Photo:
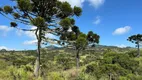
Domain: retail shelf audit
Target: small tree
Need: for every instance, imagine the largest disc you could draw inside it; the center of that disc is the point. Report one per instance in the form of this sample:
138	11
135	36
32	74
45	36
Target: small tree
92	38
45	15
136	39
80	44
80	41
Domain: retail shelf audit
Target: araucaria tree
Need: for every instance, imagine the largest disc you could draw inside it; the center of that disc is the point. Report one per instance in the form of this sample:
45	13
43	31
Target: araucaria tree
136	39
45	15
82	41
79	41
92	38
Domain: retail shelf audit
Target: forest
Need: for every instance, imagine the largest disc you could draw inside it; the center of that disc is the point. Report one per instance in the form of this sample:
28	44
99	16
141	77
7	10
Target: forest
75	56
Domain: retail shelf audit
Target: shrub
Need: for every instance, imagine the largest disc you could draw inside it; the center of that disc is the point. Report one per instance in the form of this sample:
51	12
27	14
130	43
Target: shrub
55	76
65	61
132	53
3	64
94	70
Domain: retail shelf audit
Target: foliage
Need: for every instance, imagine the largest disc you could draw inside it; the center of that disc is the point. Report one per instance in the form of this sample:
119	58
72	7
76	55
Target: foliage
65	61
7	9
135	38
55	76
81	42
94	70
132	53
93	38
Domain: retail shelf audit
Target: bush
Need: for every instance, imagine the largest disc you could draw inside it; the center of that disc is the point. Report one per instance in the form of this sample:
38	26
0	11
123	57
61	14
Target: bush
94	70
81	77
65	61
55	76
132	53
134	77
19	73
5	75
123	60
3	64
123	78
90	68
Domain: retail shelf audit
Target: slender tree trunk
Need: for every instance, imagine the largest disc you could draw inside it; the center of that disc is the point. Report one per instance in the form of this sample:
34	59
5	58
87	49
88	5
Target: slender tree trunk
138	49
110	78
37	63
77	59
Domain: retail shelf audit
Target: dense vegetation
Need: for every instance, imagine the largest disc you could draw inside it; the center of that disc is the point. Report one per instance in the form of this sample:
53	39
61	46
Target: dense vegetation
60	64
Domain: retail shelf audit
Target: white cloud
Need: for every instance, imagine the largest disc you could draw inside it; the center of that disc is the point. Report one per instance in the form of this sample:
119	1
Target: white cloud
30	34
97	20
51	36
96	3
121	46
5	29
73	3
30	42
70	30
3	47
122	30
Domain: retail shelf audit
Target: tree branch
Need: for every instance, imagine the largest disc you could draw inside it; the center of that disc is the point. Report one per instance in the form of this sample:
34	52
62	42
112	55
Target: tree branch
13	19
26	29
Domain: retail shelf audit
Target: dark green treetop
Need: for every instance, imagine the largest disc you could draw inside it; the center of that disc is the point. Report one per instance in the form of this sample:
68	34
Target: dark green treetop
93	38
135	38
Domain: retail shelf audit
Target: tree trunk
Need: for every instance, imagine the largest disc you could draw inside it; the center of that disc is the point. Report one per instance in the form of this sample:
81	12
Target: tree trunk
37	67
77	59
138	49
37	63
110	78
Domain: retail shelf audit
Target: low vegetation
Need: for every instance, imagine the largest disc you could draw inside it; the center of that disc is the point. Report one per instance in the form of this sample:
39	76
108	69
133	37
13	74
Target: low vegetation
60	64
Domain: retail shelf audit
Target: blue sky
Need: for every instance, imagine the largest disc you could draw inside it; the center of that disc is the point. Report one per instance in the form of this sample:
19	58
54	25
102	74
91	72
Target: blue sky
113	20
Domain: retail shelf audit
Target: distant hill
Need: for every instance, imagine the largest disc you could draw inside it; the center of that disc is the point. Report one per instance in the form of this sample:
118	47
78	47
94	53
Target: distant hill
97	46
105	46
53	47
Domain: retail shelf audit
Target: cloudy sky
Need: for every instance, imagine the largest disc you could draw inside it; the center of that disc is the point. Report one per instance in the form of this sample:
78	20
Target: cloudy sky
113	20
